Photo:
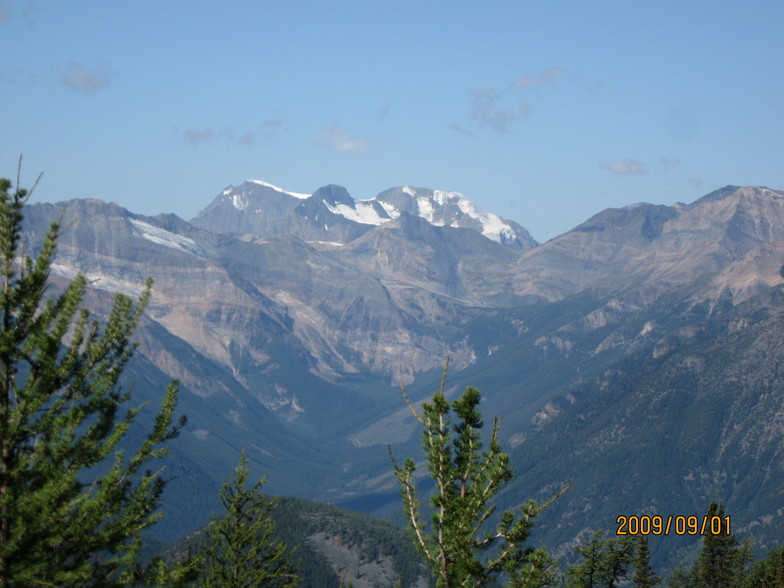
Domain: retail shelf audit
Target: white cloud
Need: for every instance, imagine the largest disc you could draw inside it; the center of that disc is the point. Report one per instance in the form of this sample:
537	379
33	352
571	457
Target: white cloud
696	181
486	110
668	163
21	12
545	78
498	109
458	128
271	127
87	80
198	136
624	167
267	130
245	138
340	139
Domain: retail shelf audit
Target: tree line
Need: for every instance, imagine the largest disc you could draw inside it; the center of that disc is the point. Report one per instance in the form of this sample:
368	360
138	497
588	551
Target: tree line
74	506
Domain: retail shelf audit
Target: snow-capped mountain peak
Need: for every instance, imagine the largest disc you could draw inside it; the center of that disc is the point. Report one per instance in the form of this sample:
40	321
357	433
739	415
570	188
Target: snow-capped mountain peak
259	208
444	208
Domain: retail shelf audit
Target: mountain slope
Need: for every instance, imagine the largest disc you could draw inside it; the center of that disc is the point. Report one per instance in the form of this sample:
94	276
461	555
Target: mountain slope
695	416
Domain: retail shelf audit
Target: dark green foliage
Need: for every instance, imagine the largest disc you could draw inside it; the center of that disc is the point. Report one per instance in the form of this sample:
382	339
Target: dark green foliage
299	521
605	562
458	548
683	578
72	506
370	538
767	573
721	562
240	549
643	577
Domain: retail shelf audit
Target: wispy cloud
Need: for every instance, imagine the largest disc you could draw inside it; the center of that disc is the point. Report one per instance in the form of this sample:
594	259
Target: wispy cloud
247	139
696	182
267	130
197	137
668	163
487	109
87	80
624	167
340	139
496	110
545	78
458	128
19	12
273	126
244	138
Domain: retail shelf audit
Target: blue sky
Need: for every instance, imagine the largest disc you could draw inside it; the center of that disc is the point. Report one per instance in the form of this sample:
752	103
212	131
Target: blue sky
543	112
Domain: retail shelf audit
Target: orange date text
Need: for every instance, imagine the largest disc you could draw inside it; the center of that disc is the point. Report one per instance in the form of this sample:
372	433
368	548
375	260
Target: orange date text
672	524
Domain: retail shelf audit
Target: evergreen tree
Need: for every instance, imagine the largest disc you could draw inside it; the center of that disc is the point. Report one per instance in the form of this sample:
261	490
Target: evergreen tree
466	479
587	573
721	562
605	562
643	577
767	573
779	568
72	506
240	550
683	577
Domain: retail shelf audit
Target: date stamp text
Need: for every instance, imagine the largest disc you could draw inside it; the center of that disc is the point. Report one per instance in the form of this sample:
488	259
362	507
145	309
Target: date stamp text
675	524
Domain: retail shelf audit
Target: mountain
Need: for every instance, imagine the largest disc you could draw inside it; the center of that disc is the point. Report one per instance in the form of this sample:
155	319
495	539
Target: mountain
330	215
634	356
657	246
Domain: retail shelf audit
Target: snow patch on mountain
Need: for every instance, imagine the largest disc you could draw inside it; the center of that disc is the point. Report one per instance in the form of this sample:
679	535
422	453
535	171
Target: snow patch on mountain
332	244
438	207
426	210
281	190
363	212
99	281
238	201
389	209
493	226
166	238
432	207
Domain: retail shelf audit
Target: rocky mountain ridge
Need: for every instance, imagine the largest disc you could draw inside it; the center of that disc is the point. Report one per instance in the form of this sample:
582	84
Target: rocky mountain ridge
374	304
330	216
